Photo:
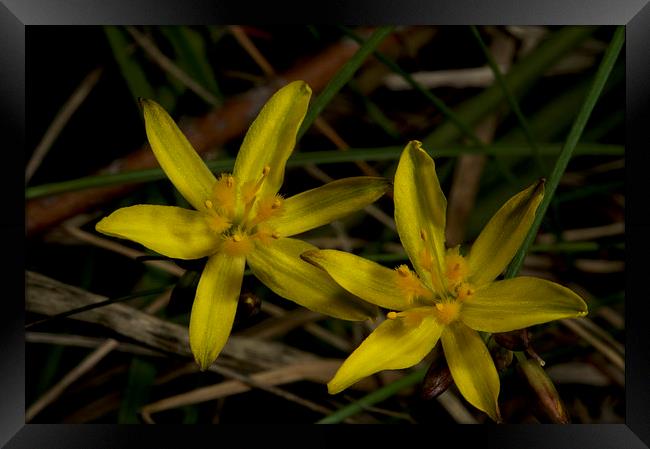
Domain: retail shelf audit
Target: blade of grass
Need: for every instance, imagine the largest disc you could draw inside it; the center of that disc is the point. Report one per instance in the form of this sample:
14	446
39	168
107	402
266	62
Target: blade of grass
344	74
140	379
520	77
130	69
67	313
435	100
514	104
605	68
191	56
316	157
375	397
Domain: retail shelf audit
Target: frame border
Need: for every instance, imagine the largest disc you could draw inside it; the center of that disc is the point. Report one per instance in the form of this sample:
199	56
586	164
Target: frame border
16	14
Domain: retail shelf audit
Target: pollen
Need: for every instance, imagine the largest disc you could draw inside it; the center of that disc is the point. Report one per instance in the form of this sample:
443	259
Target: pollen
411	285
237	244
455	266
463	291
446	312
268	207
265	235
224	195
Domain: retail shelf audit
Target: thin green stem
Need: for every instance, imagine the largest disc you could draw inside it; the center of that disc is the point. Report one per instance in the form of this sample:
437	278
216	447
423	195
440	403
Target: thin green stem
344	75
375	397
578	127
437	102
313	157
512	100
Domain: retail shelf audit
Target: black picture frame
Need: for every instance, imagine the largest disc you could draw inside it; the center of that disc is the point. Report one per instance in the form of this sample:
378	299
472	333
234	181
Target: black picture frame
15	15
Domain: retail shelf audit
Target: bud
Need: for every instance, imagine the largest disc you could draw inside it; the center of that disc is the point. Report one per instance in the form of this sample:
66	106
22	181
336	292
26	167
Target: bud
437	379
549	399
516	340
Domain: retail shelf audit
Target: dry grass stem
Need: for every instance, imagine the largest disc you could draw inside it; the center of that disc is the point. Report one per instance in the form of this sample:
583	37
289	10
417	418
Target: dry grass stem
60	120
168	66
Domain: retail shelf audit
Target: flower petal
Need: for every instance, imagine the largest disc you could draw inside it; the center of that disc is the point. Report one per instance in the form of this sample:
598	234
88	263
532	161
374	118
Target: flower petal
395	344
363	278
472	368
520	302
215	304
272	136
502	236
279	266
420	208
182	165
322	205
168	230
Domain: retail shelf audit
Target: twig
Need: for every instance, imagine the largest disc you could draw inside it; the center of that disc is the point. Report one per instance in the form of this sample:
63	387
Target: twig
318	370
613	356
82	368
86	364
47	296
61	119
107	244
83	341
168	66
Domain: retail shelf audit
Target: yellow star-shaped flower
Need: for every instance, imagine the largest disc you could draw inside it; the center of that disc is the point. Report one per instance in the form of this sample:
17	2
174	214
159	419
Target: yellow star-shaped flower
239	218
449	297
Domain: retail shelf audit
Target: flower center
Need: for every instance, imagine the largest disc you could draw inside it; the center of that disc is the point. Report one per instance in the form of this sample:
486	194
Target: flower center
238	213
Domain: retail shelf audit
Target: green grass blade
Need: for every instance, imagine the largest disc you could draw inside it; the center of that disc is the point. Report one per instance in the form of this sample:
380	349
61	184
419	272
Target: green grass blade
131	71
315	157
605	68
344	75
520	77
514	104
435	100
375	397
136	394
191	56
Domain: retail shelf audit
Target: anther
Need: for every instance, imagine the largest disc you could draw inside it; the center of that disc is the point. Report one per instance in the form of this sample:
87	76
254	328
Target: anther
439	306
266	170
423	235
208	204
276	203
275	235
403	270
391	315
237	238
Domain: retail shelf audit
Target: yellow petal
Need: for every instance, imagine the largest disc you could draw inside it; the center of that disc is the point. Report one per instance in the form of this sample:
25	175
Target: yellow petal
272	136
472	368
322	205
182	165
366	279
516	303
215	304
420	208
168	230
503	235
397	343
279	266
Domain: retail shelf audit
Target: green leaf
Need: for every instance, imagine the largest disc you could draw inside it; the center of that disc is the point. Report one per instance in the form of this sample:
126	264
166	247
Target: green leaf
136	393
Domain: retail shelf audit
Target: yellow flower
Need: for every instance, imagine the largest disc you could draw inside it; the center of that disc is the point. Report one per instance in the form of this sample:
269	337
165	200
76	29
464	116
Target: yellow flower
449	296
240	218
